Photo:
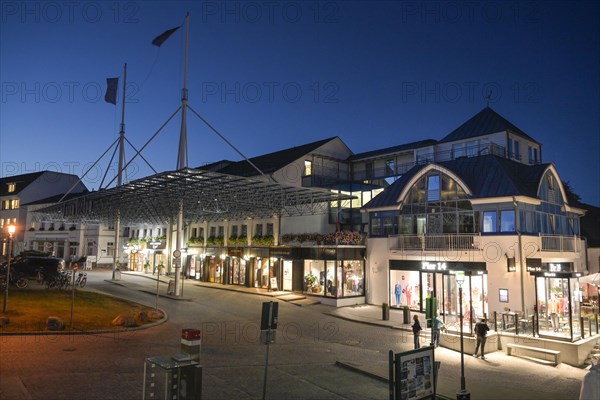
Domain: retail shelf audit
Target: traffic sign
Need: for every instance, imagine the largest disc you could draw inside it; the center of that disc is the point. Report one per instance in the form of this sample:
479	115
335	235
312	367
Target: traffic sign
177	253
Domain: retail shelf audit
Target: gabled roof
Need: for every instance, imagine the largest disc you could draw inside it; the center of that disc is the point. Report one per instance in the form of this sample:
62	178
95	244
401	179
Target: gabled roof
271	162
394	149
483	123
486	176
56	199
21	181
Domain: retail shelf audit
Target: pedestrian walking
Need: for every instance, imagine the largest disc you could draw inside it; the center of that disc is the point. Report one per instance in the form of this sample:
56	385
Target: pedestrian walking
416	328
481	330
437	326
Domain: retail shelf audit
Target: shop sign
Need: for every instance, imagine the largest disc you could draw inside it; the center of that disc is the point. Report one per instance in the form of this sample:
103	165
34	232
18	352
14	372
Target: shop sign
557	267
234	252
431	266
534	264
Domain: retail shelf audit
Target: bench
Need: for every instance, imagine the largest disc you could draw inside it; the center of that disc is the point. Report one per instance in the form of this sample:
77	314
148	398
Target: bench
554	353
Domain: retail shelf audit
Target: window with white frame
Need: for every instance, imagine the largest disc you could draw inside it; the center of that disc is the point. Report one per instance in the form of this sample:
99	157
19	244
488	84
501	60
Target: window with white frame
110	249
307	168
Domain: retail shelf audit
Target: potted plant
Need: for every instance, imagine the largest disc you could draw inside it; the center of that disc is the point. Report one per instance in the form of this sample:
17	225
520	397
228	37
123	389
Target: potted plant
310	281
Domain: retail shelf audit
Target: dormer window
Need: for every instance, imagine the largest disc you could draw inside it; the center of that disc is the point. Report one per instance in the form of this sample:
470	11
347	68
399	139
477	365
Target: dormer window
307	168
12	187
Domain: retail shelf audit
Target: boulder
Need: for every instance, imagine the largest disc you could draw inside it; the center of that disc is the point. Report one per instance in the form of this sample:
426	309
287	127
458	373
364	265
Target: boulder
141	317
155	315
55	324
124	320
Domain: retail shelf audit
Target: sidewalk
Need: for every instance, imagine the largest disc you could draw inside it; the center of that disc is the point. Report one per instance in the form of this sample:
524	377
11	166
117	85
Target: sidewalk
496	377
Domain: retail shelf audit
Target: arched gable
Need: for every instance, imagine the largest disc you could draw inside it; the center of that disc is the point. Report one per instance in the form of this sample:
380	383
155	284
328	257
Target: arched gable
424	171
543	184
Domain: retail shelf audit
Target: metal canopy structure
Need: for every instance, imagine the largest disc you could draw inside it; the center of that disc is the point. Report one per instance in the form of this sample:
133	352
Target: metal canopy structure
202	195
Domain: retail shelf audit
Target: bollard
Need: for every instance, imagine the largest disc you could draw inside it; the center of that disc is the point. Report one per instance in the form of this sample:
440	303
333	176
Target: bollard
191	340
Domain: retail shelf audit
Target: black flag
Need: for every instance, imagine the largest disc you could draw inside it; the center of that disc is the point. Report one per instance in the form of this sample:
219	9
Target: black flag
111	90
160	39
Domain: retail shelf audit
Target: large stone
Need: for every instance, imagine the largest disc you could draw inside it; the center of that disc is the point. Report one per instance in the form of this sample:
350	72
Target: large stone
55	324
155	315
124	320
141	317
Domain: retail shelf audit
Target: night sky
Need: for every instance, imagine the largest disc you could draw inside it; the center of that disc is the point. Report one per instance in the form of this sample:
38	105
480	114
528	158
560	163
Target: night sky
272	75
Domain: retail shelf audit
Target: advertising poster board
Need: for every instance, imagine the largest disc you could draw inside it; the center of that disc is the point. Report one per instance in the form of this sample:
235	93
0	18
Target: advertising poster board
414	372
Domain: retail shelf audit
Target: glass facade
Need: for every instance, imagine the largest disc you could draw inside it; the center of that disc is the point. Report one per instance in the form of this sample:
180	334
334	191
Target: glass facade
559	306
430	286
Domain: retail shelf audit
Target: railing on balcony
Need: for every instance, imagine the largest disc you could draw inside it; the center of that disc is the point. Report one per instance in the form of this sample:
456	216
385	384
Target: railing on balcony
446	155
434	242
559	243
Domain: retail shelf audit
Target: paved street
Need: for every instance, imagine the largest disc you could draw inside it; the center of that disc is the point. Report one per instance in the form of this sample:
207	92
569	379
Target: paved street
302	364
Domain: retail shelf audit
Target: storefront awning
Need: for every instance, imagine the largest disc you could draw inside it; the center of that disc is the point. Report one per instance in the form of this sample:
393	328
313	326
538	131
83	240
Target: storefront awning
202	196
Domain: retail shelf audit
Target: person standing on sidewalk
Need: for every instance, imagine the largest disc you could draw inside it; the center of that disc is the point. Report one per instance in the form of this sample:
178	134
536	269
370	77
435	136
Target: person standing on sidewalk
438	325
590	387
416	328
481	330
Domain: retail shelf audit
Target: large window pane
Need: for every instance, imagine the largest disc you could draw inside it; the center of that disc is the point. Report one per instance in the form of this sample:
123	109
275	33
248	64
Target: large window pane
507	221
489	221
433	188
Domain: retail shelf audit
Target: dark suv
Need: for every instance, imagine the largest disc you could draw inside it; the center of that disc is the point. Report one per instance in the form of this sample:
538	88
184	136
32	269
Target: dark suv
36	267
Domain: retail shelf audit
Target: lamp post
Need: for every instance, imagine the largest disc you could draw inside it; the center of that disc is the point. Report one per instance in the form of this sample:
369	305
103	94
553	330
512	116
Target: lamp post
463	394
154	246
11	231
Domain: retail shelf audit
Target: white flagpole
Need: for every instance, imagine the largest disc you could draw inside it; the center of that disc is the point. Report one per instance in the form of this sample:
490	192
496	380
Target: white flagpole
182	157
182	161
120	173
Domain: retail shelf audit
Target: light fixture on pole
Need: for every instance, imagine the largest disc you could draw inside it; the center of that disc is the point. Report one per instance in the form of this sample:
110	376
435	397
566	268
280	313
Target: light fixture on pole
11	231
463	394
154	246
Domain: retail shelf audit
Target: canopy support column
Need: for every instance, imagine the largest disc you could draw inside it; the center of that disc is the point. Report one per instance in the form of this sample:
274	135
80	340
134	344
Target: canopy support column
177	253
116	247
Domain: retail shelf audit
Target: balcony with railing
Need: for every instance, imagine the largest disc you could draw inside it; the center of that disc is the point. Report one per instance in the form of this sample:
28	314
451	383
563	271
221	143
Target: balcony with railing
388	171
434	242
560	243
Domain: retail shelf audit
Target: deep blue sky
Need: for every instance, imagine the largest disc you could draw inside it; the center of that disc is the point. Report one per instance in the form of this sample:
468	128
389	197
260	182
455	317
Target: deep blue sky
274	75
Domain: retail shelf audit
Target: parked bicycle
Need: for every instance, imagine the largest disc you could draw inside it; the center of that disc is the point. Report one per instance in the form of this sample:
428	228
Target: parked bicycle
81	279
64	279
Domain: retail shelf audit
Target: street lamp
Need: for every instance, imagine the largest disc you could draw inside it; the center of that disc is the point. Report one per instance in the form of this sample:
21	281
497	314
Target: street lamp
154	246
463	394
11	231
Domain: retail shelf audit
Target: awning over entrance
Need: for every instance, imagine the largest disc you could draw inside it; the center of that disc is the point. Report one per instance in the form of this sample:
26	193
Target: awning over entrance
202	195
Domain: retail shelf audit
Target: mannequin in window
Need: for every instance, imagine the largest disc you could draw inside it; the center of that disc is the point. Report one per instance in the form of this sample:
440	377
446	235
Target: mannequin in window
553	309
398	292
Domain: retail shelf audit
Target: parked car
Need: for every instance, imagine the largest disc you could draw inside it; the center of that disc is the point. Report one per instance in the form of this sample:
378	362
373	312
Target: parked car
35	266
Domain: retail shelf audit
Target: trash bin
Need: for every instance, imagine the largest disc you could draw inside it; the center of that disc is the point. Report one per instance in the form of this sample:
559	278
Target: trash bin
406	315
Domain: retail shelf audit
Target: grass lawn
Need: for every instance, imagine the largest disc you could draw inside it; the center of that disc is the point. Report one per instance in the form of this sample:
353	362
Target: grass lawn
28	310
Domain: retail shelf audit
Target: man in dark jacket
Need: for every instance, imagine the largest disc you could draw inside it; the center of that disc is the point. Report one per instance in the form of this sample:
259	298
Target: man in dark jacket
416	328
481	330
